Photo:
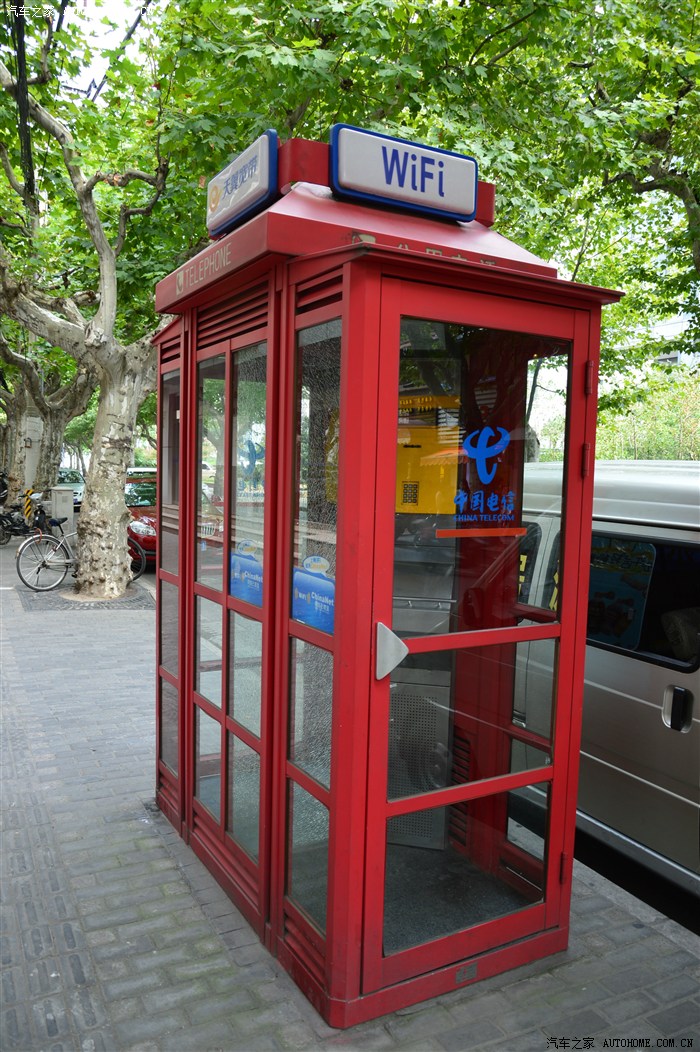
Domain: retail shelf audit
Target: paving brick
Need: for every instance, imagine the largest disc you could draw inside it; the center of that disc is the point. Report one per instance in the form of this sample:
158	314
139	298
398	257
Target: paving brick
50	1018
431	1020
16	1028
134	1032
682	1016
473	1037
115	938
212	1036
633	1006
228	1006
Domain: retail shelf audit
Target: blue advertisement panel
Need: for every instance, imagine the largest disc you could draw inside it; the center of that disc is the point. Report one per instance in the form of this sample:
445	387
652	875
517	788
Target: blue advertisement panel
313	594
247	573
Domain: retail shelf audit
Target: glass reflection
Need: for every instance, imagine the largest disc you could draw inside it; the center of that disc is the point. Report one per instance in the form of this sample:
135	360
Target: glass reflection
209	488
450	868
311	709
248	404
307	878
169	725
169	627
318	430
207	680
208	763
458	717
245	671
477	407
170	471
244	795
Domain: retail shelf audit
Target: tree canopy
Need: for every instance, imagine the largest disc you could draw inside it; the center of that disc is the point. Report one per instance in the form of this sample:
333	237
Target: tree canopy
584	113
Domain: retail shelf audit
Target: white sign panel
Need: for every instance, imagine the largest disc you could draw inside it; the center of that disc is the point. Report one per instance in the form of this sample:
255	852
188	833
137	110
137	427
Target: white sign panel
245	186
373	167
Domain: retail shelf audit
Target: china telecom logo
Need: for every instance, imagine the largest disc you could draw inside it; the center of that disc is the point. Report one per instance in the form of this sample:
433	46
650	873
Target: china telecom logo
476	445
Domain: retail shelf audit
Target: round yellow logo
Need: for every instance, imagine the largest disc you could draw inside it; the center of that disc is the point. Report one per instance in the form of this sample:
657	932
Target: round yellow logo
214	197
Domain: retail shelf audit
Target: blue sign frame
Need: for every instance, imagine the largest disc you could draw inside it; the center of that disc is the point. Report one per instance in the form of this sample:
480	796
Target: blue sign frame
392	202
272	193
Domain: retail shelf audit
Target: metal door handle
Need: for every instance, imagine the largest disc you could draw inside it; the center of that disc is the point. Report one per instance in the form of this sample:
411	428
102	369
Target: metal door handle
677	710
391	650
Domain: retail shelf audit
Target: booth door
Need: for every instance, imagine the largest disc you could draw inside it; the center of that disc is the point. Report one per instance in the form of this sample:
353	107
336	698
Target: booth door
231	618
474	630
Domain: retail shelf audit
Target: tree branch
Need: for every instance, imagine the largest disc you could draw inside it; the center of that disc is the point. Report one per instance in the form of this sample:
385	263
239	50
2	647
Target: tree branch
499	32
19	188
28	370
103	324
22	308
130	32
671	182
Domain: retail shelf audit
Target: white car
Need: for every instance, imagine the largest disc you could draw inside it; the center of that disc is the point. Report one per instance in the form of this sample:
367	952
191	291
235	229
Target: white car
69	478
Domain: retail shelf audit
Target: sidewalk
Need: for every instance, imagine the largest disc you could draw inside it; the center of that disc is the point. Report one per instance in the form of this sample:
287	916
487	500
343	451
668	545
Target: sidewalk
115	937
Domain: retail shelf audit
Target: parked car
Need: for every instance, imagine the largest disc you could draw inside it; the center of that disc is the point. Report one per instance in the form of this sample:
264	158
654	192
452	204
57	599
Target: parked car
140	497
639	785
70	478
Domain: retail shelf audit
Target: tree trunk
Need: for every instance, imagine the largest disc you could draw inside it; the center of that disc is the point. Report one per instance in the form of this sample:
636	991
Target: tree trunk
104	568
51	448
17	459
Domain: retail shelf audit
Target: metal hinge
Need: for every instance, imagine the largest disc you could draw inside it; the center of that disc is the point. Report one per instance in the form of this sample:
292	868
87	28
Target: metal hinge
585	460
563	865
590	377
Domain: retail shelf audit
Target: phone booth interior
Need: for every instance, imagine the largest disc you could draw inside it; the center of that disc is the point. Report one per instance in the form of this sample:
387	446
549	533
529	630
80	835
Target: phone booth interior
369	679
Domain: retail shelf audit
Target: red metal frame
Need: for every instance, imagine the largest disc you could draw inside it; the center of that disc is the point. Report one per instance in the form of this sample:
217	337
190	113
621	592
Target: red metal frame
324	260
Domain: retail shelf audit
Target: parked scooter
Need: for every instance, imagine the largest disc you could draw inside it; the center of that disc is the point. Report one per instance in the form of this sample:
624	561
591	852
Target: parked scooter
14	523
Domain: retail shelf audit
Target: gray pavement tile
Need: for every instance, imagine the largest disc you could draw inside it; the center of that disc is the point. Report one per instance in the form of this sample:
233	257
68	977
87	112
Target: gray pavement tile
133	1033
630	1007
472	1038
115	938
532	1041
675	988
677	1018
210	1037
579	1025
629	979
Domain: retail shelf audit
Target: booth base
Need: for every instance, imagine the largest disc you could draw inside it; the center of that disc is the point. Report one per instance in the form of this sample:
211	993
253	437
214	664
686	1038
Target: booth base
343	1014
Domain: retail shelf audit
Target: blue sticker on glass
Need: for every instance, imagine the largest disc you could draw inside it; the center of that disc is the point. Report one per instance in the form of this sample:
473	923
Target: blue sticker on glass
246	574
313	594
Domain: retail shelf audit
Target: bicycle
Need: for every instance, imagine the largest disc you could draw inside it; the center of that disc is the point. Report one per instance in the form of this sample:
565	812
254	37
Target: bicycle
44	561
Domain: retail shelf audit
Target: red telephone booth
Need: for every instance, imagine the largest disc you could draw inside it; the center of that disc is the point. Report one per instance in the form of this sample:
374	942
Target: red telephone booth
371	648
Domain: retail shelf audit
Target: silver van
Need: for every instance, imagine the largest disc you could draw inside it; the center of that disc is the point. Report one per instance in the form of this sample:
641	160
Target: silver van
639	788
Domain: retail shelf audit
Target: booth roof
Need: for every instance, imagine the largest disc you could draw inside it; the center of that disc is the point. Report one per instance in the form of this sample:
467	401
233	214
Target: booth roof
310	219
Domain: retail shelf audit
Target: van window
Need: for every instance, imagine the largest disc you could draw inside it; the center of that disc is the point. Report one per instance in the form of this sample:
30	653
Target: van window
643	597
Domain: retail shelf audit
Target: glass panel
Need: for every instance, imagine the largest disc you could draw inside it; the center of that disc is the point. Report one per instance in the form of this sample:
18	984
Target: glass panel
248	403
317	416
169	627
170	472
207	673
243	818
621	572
208	763
169	725
450	868
463	716
209	486
311	707
470	401
245	671
307	878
